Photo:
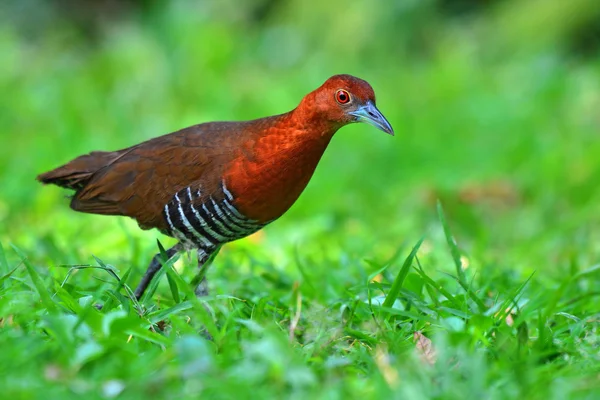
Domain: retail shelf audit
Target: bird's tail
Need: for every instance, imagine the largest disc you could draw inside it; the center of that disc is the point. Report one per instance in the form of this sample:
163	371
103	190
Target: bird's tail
77	173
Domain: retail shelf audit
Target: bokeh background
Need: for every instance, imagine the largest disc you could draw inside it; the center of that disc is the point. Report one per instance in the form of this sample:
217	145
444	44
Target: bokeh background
496	108
496	105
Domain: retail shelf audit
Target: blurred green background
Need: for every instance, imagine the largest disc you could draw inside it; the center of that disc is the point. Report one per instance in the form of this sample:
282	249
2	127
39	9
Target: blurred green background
495	104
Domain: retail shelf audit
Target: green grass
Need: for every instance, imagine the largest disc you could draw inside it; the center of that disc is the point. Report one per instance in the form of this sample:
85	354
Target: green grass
459	259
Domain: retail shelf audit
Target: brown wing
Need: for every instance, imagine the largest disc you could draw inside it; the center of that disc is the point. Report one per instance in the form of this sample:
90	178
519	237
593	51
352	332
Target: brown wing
75	174
137	182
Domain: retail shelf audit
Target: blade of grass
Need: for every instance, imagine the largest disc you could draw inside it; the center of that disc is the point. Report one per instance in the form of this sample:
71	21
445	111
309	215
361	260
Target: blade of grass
37	281
593	269
113	273
166	263
361	336
201	312
407	314
120	284
172	283
173	289
68	301
452	245
455	312
397	285
454	251
301	268
7	275
160	315
428	288
438	288
381	268
4	269
85	311
143	333
90	307
513	300
472	295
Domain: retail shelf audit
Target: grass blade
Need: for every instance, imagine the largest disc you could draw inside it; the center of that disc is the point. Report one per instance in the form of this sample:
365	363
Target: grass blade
452	245
108	305
397	285
4	269
437	288
301	269
460	274
166	263
472	295
201	312
145	334
8	274
37	281
160	315
173	288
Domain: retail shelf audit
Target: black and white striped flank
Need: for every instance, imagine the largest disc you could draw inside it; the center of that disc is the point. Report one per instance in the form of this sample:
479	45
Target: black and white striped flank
207	224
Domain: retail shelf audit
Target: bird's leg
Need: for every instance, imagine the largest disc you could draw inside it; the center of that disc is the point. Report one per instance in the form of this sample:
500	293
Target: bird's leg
153	268
201	289
204	257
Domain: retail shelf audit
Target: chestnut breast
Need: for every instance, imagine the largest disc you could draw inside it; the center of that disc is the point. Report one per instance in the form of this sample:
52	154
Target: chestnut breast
270	171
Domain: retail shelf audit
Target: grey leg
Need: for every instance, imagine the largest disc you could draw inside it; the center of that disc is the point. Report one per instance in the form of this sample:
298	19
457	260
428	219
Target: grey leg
153	268
201	288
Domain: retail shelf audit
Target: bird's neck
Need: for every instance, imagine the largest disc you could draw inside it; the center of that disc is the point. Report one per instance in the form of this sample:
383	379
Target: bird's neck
303	129
284	157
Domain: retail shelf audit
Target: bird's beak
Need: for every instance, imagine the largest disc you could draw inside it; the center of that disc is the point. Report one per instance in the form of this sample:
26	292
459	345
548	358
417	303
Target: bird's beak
371	115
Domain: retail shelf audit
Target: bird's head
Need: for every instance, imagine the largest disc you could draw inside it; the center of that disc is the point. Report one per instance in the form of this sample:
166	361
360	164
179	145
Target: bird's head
345	99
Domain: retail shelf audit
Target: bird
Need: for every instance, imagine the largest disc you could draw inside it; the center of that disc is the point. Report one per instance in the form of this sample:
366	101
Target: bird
216	182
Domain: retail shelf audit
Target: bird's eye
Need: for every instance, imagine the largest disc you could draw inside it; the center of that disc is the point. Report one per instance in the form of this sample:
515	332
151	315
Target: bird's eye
342	96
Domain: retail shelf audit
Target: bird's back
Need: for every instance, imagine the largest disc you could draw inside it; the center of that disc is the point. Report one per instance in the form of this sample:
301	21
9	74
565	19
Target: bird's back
138	181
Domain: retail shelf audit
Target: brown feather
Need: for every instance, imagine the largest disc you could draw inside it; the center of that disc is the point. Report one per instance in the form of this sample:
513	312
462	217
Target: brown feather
138	181
76	173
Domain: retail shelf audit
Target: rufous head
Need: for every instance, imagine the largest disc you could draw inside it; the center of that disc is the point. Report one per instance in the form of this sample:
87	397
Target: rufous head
345	99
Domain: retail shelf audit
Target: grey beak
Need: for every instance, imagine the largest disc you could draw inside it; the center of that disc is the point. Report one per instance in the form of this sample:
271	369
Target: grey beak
372	116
